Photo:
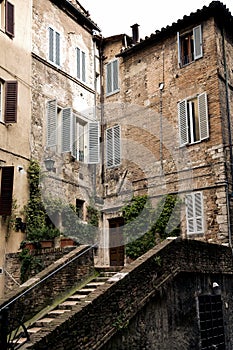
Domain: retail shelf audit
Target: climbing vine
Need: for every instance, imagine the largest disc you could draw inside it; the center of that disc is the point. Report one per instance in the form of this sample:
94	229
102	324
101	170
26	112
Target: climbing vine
145	226
30	265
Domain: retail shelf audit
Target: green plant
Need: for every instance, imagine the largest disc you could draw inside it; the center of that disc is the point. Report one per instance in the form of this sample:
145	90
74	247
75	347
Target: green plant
29	265
92	216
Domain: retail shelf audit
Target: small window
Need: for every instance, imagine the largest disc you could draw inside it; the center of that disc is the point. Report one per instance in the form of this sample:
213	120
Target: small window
113	146
6	190
54	46
8	101
112	77
9	19
79	208
193	120
81	65
194	213
190	46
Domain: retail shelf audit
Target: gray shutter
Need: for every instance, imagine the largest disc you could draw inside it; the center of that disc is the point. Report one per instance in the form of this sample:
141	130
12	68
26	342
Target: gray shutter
83	66
66	129
198	212
203	116
197	34
74	137
78	63
109	78
57	49
179	48
109	147
93	138
190	214
115	75
183	122
51	44
117	145
51	123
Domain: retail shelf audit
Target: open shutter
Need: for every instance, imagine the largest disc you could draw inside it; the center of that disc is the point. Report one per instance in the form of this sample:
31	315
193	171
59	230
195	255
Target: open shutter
115	75
83	66
109	147
6	190
51	44
78	63
198	212
51	123
190	214
57	49
178	48
117	145
9	19
183	122
197	35
11	89
203	116
109	78
74	137
67	125
93	137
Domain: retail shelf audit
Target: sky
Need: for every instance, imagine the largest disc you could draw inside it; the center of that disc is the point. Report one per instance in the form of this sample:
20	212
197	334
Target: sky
117	17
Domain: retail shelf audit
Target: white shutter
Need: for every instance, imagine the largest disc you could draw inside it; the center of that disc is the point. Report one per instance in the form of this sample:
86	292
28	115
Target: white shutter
194	213
197	35
178	48
57	49
66	129
183	122
203	116
109	78
78	63
51	44
117	145
74	137
109	147
93	144
198	202
190	214
115	75
51	123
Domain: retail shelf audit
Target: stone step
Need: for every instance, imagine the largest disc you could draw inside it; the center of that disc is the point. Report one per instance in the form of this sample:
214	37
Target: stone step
34	330
57	312
85	291
77	297
43	321
19	341
67	304
94	284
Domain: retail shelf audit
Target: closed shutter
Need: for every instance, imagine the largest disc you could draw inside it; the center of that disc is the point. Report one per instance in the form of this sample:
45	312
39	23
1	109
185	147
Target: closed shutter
197	35
11	89
66	129
93	136
57	49
115	75
83	66
6	190
117	145
78	63
183	122
198	212
194	213
74	137
109	78
9	19
51	44
109	147
203	116
51	123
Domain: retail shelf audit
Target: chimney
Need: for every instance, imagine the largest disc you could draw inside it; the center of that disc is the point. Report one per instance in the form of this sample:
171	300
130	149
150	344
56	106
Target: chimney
135	33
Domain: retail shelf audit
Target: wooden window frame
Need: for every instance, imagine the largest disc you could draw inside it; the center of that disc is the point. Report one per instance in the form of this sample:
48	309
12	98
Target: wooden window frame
6	190
112	77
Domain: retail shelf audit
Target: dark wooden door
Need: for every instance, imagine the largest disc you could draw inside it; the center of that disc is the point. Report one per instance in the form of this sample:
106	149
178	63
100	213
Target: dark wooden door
116	242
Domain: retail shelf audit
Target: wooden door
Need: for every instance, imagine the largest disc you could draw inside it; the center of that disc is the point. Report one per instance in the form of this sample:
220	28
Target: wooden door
116	242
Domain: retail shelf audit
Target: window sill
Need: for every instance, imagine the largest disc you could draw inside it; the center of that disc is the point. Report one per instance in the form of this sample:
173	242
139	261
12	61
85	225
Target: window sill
112	93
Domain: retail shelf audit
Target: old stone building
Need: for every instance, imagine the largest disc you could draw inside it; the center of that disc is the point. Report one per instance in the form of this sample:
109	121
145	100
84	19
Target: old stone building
168	123
15	116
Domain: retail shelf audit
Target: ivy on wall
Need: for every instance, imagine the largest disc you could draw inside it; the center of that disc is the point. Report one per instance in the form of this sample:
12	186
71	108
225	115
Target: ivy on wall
145	226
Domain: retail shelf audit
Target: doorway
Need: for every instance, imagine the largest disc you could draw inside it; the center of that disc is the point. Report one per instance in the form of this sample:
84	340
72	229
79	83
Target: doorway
116	242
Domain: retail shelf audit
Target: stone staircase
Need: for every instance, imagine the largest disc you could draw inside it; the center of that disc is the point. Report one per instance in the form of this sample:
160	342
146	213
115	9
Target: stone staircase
79	296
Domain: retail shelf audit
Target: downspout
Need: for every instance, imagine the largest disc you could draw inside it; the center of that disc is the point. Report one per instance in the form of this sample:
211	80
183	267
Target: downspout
102	115
228	193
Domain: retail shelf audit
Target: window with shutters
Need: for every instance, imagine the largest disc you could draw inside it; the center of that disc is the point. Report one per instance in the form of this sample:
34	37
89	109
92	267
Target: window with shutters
113	146
6	190
190	46
81	64
8	101
54	54
112	81
194	213
7	18
193	119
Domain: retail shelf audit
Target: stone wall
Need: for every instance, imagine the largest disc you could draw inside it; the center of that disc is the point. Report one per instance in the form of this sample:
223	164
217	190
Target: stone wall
154	297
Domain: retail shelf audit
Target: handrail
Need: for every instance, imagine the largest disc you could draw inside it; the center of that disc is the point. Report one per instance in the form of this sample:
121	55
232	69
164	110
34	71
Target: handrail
46	277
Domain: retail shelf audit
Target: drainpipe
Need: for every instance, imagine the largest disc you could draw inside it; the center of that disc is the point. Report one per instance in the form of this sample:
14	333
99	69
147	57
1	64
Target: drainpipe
102	113
229	193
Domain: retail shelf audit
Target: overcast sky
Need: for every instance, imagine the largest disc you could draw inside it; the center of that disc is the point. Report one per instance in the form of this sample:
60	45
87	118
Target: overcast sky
116	17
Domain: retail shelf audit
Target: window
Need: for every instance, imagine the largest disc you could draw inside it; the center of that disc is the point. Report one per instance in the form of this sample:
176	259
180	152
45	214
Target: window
194	213
54	46
193	119
190	46
72	133
7	17
79	208
8	101
112	77
6	190
81	65
113	146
